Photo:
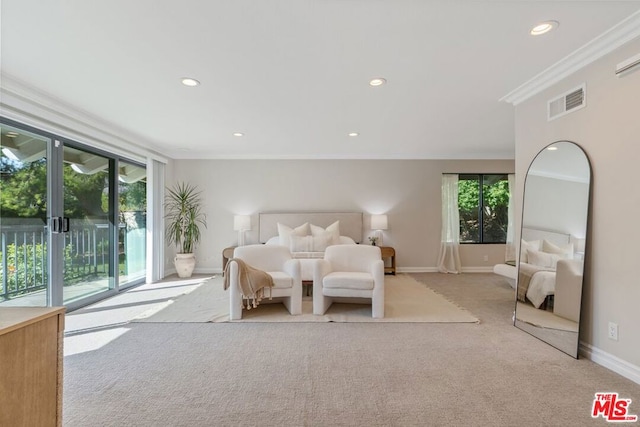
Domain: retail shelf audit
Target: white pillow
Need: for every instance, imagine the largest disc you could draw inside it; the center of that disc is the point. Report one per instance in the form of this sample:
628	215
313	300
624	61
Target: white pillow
543	259
566	251
309	243
321	241
333	230
285	233
300	243
275	240
533	245
346	240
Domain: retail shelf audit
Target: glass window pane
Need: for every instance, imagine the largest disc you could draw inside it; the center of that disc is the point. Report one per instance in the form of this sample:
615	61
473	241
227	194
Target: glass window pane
86	203
468	203
495	207
23	218
132	230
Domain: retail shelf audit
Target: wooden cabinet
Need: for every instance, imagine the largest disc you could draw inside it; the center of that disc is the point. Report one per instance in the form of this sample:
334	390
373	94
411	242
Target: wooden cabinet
389	252
31	340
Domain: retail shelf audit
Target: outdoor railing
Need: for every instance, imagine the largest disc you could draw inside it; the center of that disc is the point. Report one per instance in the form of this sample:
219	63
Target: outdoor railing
24	256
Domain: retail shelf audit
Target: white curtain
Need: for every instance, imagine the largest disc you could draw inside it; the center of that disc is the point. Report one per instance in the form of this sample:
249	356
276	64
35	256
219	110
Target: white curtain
510	249
449	259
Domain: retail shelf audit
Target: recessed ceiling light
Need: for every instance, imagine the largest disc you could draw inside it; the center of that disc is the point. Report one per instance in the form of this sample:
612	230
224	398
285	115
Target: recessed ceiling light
552	148
238	134
543	27
353	134
378	81
188	81
12	134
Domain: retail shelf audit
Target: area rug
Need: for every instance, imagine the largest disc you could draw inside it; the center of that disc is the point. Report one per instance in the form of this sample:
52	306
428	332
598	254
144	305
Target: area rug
406	300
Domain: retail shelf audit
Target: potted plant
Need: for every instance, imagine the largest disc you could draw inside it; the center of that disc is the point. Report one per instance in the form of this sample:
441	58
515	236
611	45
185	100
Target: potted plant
183	212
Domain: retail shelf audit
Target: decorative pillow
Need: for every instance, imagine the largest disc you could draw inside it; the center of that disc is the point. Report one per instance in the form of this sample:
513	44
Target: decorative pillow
300	243
543	259
321	241
309	243
285	233
533	245
333	229
566	251
275	240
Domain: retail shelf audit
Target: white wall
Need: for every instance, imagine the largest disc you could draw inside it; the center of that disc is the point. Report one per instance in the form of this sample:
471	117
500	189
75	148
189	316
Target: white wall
608	129
407	190
564	209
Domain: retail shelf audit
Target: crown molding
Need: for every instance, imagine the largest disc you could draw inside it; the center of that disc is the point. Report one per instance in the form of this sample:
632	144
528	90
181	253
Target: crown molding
24	103
607	42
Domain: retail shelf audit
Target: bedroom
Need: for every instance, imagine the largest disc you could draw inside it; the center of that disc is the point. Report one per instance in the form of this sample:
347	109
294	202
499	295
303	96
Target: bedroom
408	191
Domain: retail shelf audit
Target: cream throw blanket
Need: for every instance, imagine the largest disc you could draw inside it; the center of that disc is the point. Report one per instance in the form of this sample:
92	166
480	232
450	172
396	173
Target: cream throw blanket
525	273
251	281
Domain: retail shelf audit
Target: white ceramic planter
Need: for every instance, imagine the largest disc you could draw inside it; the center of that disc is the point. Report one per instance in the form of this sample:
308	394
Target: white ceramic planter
184	263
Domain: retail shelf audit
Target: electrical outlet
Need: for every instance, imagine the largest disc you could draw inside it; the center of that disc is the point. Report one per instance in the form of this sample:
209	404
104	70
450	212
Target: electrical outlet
486	258
613	331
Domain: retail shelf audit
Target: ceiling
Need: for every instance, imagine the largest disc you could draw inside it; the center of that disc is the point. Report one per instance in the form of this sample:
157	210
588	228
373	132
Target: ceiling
292	75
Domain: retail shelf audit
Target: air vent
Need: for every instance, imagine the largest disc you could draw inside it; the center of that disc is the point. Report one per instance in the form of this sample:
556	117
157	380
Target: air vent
568	102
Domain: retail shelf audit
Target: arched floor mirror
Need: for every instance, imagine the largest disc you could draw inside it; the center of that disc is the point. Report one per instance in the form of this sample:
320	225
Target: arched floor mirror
552	245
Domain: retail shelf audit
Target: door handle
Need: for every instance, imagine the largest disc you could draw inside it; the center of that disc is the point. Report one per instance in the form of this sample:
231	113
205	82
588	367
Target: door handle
59	224
56	224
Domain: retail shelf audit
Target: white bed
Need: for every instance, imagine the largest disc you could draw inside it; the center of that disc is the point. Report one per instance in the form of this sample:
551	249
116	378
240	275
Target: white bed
537	276
302	247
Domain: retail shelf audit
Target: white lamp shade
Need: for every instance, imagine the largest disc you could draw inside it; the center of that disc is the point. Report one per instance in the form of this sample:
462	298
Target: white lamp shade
379	222
241	222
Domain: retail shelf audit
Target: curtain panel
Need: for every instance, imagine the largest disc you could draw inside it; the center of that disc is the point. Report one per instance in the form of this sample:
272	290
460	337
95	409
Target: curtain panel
449	258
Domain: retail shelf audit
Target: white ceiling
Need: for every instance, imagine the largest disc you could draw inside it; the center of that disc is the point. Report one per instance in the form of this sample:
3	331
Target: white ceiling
292	75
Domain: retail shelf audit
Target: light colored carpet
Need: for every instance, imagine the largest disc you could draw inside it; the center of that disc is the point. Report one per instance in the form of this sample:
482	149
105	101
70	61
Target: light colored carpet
406	300
339	374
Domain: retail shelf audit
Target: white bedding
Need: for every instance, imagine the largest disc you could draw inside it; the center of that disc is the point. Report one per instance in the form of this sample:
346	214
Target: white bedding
542	284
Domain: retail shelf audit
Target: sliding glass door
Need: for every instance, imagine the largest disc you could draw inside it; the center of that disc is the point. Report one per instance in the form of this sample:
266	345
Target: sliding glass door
73	220
88	234
24	274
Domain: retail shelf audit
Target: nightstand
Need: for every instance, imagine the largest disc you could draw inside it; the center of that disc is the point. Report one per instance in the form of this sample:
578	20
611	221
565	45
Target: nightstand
389	252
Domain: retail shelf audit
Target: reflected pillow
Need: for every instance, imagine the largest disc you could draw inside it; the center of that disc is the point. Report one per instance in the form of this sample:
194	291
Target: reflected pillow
565	250
533	245
285	233
543	259
333	230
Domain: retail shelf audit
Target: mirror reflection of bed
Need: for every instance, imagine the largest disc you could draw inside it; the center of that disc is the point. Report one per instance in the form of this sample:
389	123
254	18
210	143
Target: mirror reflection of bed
550	287
550	268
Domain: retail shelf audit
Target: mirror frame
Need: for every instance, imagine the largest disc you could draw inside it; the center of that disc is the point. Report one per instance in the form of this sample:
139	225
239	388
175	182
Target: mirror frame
553	338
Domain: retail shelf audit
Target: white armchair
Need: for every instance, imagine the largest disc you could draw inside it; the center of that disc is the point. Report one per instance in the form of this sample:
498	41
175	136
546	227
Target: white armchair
275	260
352	271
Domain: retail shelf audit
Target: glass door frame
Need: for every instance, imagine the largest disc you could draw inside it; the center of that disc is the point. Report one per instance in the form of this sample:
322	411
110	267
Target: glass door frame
55	208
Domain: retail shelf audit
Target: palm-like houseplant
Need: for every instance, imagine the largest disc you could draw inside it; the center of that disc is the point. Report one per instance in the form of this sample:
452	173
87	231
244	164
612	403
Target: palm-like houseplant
184	215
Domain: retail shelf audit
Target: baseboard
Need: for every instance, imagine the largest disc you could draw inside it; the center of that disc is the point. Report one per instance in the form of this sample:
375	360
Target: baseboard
477	269
416	269
435	269
609	361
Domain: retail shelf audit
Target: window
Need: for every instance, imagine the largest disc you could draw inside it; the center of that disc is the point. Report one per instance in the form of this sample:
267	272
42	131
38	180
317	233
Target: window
483	201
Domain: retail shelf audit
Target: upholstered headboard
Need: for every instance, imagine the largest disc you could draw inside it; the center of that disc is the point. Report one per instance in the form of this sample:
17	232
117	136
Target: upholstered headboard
554	237
350	222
